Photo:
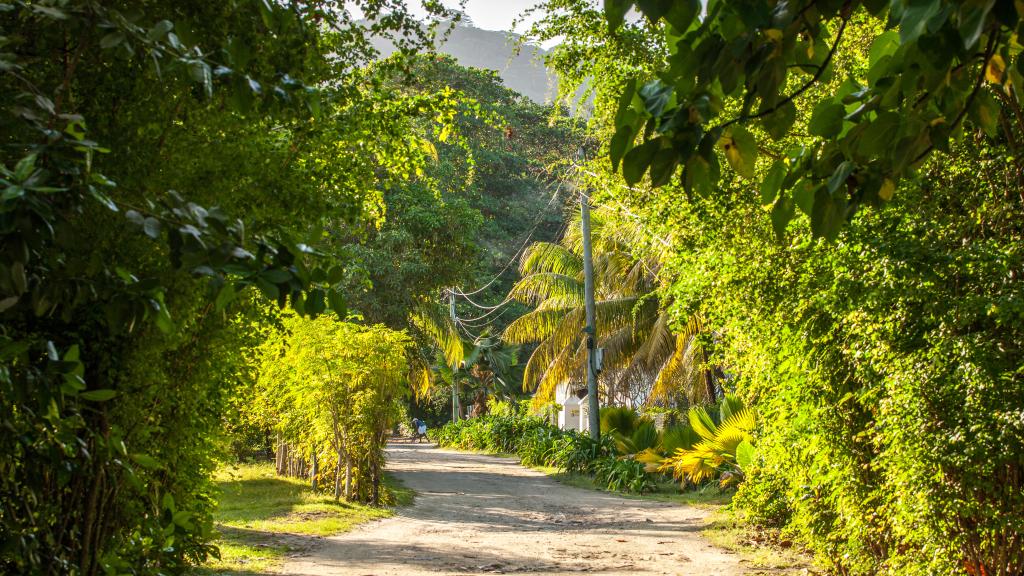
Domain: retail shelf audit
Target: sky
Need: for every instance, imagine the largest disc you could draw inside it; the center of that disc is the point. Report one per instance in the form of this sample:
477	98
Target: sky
486	14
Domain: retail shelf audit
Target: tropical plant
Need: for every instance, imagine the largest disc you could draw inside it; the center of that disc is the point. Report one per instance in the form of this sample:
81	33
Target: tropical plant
618	474
164	166
725	448
643	359
326	383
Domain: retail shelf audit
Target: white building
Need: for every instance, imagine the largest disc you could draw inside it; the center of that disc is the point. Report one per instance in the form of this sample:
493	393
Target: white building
575	412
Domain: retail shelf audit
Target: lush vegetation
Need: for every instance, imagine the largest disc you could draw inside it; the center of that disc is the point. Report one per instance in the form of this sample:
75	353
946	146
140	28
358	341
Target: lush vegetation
837	184
633	455
225	228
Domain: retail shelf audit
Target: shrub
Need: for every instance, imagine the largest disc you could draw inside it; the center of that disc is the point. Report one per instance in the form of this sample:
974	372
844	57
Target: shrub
622	475
576	452
763	498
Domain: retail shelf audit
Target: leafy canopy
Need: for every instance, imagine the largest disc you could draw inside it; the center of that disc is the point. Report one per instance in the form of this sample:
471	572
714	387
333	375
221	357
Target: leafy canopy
734	73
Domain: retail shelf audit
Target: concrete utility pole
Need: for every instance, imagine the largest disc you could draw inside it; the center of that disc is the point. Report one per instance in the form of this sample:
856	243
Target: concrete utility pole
456	411
593	353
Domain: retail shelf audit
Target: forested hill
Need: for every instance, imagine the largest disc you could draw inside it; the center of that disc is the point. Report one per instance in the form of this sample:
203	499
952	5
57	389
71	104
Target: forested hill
473	47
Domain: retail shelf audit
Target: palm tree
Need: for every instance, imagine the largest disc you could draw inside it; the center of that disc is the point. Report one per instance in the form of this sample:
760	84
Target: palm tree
644	360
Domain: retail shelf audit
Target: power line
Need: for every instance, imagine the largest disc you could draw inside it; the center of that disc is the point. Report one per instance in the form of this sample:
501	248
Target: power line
515	256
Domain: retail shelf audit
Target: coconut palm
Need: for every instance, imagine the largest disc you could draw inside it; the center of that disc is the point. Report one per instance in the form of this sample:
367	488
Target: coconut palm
644	360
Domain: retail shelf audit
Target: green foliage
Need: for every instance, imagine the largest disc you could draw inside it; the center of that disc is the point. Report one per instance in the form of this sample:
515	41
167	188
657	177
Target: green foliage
725	448
158	173
332	391
884	365
622	475
752	63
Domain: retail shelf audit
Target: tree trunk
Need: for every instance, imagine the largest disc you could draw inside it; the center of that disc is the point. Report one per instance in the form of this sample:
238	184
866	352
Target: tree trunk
315	469
348	477
376	481
337	479
709	377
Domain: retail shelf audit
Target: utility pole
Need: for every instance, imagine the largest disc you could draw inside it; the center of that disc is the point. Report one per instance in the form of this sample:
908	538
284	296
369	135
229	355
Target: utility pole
593	353
456	412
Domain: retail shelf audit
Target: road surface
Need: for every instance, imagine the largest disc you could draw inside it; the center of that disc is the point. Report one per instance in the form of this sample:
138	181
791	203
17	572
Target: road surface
477	514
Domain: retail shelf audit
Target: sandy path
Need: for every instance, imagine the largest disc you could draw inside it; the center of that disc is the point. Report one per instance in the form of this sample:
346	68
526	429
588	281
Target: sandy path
479	514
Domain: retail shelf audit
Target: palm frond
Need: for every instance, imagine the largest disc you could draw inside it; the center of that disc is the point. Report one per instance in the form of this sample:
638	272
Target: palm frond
534	326
546	257
435	322
541	286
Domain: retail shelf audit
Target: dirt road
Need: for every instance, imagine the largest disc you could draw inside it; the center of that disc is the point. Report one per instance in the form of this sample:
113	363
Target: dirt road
479	514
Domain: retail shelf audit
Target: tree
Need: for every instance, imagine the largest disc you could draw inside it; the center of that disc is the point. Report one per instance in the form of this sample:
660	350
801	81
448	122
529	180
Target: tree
135	137
881	365
750	64
337	384
644	360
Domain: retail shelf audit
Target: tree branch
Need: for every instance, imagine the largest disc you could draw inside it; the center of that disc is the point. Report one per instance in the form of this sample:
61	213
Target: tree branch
807	85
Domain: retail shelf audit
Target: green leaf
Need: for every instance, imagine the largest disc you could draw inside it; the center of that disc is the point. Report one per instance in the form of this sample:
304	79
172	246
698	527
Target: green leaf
827	119
315	302
160	30
183	518
637	160
803	196
147	461
102	198
620	143
202	74
741	151
24	168
268	289
973	16
98	395
224	296
778	123
745	454
829	214
167	502
111	40
772	183
839	177
697	176
337	303
885	44
663	166
656	97
682	14
987	112
151	226
782	213
615	12
267	13
276	275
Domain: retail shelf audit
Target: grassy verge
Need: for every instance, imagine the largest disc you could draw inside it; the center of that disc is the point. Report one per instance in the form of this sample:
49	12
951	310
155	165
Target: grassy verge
664	491
760	549
263	518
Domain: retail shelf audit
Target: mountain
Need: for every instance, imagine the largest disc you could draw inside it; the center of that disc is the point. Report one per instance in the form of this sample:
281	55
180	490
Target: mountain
473	47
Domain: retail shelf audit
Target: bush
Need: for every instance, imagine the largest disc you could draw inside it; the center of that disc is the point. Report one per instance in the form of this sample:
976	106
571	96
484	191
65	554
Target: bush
575	452
622	475
763	498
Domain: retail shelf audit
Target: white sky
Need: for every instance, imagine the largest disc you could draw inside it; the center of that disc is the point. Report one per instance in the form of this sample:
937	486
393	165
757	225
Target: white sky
486	14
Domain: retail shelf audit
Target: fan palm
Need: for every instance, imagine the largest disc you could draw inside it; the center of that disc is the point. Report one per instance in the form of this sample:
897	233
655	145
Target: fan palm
644	360
719	451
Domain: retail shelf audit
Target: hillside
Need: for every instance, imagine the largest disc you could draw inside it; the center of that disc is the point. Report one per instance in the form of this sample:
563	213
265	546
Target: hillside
473	47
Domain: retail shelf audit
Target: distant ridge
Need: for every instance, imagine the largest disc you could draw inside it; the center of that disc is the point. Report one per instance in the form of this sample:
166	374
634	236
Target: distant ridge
495	50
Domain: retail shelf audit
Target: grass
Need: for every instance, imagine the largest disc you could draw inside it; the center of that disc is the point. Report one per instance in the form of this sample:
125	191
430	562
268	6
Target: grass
759	549
666	491
263	518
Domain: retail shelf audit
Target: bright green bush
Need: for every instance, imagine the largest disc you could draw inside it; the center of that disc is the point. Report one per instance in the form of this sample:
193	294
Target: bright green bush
620	474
